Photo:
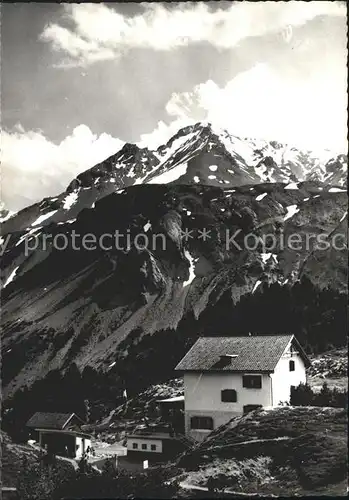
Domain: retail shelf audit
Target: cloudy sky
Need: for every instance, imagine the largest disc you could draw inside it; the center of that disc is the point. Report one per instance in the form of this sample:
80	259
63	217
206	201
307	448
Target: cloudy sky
79	80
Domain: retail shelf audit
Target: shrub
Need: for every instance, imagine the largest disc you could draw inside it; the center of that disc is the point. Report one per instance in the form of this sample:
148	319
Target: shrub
119	484
38	481
303	395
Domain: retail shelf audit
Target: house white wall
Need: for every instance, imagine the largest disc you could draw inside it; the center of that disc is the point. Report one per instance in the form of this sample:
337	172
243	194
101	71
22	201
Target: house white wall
148	442
202	392
81	445
283	378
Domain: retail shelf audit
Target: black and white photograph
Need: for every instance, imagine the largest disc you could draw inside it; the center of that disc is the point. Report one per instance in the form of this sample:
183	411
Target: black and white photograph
174	250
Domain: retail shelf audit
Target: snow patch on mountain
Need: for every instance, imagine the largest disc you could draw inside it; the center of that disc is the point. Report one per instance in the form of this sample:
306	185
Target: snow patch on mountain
265	257
170	175
235	146
292	185
180	143
70	200
25	236
260	171
131	173
43	217
146	227
337	190
344	216
191	268
261	196
256	285
291	211
11	277
7	216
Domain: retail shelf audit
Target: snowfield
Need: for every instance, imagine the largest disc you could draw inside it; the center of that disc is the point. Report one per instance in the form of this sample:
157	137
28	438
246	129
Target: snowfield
43	217
169	176
70	200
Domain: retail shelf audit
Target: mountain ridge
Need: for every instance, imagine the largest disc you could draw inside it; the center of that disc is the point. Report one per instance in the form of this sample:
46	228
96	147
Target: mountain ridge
240	161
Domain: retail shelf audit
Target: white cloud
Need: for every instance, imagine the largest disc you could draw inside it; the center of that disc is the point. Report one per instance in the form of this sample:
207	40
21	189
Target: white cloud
260	103
100	33
33	166
163	133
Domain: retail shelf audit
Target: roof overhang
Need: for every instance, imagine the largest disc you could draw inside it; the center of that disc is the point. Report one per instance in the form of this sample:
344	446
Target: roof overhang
226	371
302	352
62	431
150	437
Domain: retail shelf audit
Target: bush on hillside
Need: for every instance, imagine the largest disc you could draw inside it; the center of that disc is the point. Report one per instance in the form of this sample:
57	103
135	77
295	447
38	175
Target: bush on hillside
119	484
57	479
40	480
303	395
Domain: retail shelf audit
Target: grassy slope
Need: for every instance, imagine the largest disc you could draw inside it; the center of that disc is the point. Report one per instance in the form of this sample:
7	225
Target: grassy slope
282	451
12	456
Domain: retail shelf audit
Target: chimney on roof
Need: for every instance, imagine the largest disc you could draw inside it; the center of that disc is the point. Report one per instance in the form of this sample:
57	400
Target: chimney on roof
228	356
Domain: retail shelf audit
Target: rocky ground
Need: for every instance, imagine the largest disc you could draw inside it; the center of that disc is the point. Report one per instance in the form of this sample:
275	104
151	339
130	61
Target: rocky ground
330	367
281	451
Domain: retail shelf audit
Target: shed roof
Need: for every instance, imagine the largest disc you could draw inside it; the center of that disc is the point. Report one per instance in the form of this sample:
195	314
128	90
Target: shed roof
42	420
255	353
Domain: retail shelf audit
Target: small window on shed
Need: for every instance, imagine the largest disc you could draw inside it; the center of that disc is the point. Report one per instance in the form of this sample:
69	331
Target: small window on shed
153	447
292	365
144	446
134	446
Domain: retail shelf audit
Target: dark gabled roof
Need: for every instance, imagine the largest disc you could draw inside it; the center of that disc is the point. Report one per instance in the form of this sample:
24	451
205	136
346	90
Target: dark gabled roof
254	353
42	420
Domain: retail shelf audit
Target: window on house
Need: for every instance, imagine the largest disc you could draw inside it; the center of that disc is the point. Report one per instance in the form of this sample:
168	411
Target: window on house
144	446
252	381
134	446
229	396
201	423
248	408
292	366
153	447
